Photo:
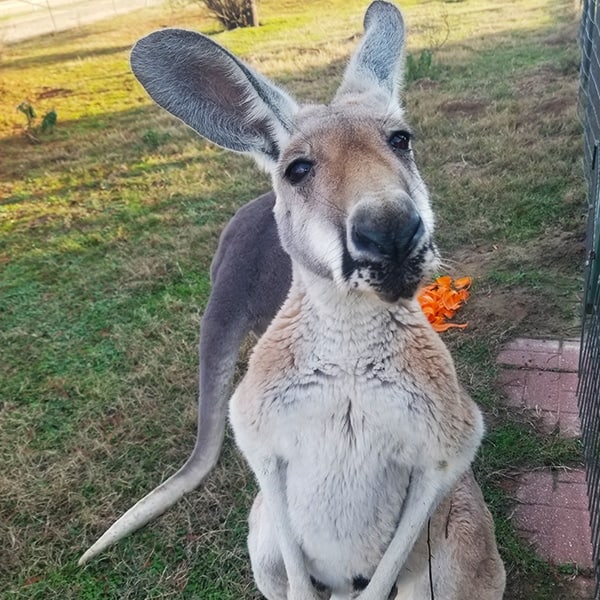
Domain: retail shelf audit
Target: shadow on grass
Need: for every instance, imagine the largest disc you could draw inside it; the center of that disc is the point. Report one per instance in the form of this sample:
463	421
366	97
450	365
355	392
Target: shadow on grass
90	144
499	59
49	60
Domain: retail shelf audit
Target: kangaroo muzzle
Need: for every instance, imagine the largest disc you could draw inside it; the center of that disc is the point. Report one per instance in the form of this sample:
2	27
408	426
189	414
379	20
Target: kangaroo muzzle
392	241
387	233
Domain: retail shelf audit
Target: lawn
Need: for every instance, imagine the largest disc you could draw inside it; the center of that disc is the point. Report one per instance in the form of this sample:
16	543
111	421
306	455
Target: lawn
108	224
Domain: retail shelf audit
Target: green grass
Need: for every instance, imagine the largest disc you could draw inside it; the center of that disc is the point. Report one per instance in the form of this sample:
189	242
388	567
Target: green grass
108	226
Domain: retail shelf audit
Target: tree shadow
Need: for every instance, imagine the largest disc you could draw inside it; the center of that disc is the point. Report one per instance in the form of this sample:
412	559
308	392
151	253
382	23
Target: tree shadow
103	132
60	57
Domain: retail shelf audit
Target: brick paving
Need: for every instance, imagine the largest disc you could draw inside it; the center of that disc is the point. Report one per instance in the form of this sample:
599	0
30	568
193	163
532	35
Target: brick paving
551	512
541	375
551	506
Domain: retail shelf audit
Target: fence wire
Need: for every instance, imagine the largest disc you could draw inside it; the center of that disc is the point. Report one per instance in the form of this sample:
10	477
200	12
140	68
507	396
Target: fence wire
588	392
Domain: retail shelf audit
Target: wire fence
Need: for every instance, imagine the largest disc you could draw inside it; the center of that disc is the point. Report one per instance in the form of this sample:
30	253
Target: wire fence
588	392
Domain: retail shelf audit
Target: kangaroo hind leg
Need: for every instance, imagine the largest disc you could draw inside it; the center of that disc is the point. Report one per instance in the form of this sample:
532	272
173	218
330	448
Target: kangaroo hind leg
265	557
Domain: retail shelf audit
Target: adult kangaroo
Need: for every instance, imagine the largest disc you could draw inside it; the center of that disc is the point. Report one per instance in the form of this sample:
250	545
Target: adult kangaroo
350	414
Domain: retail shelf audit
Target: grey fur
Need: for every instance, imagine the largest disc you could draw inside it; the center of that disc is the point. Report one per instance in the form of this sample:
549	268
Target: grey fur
179	69
380	47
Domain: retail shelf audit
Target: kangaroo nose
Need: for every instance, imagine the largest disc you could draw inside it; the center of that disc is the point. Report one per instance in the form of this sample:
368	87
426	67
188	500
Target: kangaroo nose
391	240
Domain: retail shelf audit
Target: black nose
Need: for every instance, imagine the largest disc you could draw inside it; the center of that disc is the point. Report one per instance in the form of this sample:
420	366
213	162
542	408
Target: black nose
393	239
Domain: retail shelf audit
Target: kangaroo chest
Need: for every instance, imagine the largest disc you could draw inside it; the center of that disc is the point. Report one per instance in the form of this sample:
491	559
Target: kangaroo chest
346	417
349	458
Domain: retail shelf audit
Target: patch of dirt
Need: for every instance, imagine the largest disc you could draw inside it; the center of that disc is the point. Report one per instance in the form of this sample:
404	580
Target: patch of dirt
555	106
491	309
473	261
488	308
53	93
522	307
565	36
583	587
546	92
464	107
564	587
558	248
426	84
537	81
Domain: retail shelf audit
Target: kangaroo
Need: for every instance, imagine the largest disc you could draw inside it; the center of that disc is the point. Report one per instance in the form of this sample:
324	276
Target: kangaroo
350	413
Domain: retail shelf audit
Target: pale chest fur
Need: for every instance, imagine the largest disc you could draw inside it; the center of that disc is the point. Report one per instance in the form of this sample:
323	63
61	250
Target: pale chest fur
350	411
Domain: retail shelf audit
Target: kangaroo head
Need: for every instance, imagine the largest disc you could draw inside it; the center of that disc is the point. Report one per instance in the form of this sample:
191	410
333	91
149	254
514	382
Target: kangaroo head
351	205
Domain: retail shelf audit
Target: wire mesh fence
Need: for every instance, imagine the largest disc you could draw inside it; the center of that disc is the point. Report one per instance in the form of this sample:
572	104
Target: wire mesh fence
589	363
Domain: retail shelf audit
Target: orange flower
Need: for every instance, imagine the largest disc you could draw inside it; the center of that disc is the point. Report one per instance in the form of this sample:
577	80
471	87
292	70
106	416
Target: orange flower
442	299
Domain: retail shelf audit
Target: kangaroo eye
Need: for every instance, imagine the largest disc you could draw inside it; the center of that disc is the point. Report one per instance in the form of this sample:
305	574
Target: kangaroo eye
298	170
400	140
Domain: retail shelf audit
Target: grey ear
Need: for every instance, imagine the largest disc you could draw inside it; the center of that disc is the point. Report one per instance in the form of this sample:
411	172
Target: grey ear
377	62
213	92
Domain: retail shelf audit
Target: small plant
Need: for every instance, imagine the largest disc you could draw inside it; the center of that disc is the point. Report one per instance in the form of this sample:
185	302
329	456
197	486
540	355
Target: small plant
29	112
48	122
421	67
154	138
46	126
234	13
436	33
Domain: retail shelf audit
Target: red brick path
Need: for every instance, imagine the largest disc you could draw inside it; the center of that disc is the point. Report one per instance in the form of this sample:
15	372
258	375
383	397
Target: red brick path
551	504
542	375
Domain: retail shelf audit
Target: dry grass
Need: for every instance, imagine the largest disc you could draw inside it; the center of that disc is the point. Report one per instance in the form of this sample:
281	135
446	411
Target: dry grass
106	233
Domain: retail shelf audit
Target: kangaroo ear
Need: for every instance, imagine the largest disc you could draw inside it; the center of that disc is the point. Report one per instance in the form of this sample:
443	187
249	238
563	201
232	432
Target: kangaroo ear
376	65
214	93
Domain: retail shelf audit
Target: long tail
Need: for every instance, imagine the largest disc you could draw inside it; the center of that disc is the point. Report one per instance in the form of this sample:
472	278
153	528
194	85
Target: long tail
245	297
219	349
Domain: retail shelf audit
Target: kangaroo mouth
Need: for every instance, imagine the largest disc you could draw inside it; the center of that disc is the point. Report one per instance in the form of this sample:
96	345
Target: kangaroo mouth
390	280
